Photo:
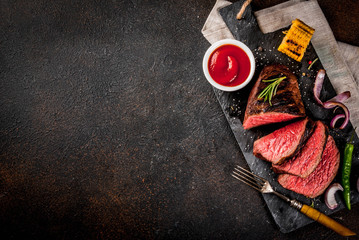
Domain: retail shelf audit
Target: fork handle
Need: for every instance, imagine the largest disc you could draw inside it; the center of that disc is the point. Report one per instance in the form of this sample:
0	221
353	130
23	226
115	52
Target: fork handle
326	221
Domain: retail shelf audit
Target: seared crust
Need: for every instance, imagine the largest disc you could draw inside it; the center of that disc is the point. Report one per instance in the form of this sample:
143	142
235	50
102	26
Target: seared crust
287	100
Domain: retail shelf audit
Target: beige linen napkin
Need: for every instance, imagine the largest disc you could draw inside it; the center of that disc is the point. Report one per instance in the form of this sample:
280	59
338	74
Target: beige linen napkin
340	60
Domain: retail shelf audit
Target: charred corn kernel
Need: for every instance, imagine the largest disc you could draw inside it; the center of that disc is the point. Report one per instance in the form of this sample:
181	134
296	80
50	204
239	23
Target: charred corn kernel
296	40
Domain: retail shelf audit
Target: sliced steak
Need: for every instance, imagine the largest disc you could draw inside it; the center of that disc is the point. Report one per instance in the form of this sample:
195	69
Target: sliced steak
286	105
304	163
316	183
284	142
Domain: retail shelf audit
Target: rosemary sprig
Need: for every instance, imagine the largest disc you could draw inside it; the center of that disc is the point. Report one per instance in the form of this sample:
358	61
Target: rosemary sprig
271	90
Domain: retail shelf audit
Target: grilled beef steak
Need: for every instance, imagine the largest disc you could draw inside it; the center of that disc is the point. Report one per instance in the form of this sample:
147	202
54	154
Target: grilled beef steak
284	142
316	183
305	162
286	105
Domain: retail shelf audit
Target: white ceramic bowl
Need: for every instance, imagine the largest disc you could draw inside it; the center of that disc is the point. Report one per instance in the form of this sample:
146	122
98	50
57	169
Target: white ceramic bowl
218	44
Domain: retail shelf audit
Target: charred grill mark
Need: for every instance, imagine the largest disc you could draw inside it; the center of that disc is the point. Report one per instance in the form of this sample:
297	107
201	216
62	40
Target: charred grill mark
282	102
294	52
283	108
304	29
292	42
287	99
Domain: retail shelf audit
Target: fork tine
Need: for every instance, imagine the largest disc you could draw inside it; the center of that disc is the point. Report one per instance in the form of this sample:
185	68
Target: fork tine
248	183
252	174
249	177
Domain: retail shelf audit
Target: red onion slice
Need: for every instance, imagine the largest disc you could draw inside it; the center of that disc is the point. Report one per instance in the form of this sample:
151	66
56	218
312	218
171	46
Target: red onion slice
335	119
336	101
342	97
329	196
318	84
329	105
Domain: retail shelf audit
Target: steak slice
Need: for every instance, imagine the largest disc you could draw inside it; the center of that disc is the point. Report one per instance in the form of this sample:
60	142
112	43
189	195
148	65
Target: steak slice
286	105
304	163
284	142
316	183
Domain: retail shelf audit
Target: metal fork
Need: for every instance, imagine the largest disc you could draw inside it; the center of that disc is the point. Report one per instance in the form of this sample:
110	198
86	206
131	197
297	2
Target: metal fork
263	186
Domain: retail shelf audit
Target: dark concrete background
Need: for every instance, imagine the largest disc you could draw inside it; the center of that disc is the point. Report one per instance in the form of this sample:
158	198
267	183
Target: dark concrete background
109	130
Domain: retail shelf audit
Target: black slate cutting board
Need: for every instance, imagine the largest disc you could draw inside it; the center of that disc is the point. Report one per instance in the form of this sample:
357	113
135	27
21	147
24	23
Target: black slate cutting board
264	48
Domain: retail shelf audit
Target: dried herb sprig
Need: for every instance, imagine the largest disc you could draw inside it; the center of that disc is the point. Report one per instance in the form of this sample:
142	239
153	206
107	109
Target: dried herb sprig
311	63
271	90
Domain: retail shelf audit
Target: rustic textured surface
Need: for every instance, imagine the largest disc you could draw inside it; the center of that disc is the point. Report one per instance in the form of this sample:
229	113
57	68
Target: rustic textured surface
109	130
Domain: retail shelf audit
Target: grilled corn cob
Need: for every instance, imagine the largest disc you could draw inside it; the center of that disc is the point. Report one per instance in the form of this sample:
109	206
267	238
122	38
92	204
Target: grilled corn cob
296	40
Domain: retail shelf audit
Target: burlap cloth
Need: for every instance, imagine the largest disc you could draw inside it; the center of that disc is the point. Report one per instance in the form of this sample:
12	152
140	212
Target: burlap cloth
340	60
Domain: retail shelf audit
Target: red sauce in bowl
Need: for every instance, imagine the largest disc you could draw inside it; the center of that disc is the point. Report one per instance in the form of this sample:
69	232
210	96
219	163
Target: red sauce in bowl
229	65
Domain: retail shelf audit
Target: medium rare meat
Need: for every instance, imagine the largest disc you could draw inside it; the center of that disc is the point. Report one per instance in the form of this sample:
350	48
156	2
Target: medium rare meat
286	105
284	142
316	183
304	163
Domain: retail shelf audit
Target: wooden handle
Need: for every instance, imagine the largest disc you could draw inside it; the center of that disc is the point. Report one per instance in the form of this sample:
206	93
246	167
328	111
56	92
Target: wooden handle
326	221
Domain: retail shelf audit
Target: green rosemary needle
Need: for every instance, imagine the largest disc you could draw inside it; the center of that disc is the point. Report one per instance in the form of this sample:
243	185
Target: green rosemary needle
271	90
